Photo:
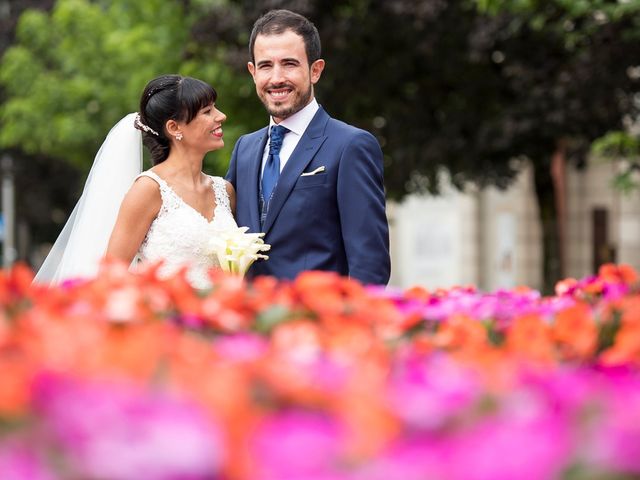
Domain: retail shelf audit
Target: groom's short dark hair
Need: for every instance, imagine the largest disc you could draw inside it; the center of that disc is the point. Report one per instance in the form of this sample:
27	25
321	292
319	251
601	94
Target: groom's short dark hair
276	22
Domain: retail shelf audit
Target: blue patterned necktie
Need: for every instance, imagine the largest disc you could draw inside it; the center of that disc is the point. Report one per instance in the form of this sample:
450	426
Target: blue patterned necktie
272	168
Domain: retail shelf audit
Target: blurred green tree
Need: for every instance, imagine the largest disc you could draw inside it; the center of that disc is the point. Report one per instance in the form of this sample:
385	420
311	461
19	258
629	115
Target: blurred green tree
37	201
622	147
573	70
74	72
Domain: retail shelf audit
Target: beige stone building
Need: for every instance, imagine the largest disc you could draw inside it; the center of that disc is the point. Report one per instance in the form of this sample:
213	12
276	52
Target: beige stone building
492	238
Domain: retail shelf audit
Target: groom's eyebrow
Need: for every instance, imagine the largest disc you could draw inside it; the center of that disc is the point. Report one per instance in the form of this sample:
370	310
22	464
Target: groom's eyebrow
294	60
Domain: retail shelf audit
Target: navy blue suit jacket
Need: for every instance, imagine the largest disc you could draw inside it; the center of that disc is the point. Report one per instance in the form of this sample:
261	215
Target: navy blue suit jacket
334	220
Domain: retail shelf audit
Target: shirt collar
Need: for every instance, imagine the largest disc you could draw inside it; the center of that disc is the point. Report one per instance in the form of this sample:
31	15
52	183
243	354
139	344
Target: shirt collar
299	121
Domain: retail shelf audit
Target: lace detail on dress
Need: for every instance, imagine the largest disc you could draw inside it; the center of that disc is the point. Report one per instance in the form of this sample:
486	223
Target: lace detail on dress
179	234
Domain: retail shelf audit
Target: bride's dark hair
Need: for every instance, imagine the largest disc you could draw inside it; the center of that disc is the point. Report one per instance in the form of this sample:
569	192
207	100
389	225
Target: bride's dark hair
170	97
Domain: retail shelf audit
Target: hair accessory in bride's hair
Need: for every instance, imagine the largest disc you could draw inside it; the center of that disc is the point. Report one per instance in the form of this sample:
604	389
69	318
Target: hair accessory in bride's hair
156	89
141	126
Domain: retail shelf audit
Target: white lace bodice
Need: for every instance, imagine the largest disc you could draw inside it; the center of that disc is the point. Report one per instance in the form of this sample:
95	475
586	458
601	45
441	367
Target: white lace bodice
179	234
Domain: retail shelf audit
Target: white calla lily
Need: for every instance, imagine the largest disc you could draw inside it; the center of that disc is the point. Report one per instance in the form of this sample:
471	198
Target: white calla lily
236	249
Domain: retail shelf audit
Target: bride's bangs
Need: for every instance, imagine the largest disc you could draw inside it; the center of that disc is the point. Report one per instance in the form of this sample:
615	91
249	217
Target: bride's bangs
194	96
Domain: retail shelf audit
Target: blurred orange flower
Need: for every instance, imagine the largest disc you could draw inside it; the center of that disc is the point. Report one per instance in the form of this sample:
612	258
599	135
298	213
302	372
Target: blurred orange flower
531	339
575	333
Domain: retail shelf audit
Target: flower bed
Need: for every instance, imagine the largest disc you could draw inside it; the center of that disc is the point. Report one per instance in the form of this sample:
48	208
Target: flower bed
129	376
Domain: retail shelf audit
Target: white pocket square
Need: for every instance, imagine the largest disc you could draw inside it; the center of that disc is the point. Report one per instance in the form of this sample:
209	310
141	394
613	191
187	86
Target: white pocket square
313	172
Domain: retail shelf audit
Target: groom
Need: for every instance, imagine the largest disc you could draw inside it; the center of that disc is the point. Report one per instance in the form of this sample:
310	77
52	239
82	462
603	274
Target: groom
313	184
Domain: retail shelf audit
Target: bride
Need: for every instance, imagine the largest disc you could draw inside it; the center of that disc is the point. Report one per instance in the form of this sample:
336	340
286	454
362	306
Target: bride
165	213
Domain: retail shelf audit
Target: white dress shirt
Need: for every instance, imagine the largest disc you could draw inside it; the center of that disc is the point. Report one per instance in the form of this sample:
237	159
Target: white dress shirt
297	124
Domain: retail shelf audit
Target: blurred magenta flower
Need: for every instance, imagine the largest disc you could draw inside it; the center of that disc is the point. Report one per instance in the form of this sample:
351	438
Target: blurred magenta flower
120	432
298	444
614	444
21	461
241	347
429	392
410	458
533	446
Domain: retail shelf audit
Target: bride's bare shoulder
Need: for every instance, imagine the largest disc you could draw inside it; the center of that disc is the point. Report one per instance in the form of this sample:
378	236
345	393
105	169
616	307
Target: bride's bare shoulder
144	195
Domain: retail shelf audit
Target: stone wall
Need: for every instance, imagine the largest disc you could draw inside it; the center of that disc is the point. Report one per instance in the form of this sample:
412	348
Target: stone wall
492	238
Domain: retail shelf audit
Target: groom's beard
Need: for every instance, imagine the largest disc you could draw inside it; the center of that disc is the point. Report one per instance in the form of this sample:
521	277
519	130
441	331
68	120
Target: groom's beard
278	110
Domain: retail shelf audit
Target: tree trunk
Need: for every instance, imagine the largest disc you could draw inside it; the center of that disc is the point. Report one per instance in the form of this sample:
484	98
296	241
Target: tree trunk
549	178
558	174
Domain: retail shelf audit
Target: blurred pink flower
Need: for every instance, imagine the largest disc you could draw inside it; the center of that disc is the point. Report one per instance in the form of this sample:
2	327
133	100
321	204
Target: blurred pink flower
410	458
121	432
536	446
241	347
427	392
20	461
615	432
298	445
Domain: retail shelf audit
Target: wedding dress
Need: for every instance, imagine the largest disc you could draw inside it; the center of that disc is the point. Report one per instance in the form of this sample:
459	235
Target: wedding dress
180	235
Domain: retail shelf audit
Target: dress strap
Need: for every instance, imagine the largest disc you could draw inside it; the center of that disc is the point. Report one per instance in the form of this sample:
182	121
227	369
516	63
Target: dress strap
153	176
169	197
164	186
219	185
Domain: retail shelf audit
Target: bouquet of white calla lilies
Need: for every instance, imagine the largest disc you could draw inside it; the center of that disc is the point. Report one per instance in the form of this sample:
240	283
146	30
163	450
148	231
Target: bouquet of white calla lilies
236	249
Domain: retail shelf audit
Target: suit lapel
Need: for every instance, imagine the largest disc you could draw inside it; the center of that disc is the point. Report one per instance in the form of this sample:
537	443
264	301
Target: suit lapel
253	162
304	152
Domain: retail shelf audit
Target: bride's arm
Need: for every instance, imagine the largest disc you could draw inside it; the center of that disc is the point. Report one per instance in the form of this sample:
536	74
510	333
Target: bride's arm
232	197
140	206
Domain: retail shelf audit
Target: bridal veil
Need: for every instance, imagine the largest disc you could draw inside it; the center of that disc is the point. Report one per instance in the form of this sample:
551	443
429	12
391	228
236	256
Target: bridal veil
84	238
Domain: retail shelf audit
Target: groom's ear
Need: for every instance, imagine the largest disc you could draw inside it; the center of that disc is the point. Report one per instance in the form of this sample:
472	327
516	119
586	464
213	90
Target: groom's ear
252	70
316	70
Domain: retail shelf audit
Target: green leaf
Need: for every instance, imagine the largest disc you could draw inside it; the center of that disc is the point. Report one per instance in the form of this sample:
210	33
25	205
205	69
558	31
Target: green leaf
269	318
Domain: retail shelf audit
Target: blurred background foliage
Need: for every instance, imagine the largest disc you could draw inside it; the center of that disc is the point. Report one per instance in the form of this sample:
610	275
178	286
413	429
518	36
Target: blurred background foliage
472	88
76	70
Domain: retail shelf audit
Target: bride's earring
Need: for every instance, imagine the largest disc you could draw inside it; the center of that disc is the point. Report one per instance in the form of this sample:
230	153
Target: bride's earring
178	136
